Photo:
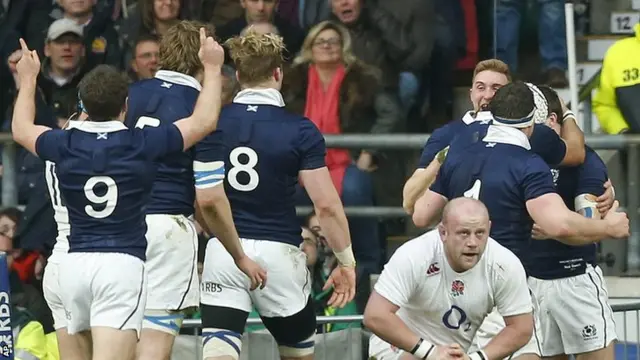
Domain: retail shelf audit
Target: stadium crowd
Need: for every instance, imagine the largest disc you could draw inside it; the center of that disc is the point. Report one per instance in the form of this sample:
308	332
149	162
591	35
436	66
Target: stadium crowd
352	66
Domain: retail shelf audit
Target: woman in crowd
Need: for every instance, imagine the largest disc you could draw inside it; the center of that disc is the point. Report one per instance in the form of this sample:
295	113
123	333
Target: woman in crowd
342	95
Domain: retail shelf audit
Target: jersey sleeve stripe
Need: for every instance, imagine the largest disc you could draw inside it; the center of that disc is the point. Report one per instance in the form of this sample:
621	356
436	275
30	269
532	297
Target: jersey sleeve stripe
214	166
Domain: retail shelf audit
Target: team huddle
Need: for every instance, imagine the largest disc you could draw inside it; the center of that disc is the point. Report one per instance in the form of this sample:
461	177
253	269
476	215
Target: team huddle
129	175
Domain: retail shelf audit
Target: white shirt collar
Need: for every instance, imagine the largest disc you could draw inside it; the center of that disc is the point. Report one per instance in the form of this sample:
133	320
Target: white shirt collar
178	78
507	135
97	126
259	97
472	116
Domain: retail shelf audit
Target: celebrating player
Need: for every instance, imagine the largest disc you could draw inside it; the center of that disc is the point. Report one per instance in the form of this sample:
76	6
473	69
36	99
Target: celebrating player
489	76
265	150
493	163
579	321
172	240
437	289
102	179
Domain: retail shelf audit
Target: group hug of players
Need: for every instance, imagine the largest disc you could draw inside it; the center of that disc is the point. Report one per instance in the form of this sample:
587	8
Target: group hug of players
127	175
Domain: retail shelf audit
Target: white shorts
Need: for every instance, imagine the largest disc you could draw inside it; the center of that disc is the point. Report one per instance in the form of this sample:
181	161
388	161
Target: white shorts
575	314
382	350
102	289
51	289
288	280
172	263
494	323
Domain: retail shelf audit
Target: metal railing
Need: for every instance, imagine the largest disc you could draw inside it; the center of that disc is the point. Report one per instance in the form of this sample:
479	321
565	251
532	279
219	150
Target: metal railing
350	343
410	142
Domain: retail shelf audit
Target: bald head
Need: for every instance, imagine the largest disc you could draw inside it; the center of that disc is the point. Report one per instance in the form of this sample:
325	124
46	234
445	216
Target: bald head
464	208
464	230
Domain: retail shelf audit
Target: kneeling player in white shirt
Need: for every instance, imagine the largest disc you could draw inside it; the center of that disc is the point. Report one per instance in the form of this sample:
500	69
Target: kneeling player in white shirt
437	289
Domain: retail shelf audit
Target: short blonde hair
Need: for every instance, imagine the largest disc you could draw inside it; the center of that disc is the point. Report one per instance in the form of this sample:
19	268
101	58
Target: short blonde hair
179	47
305	56
256	56
494	65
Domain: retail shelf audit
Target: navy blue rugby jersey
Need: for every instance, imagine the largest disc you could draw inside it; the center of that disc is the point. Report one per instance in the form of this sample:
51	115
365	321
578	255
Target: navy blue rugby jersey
544	141
103	175
553	259
494	164
263	148
162	100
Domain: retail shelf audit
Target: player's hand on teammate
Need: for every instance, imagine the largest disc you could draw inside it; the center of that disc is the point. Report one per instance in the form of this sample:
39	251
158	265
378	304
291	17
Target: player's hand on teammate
618	222
605	201
538	234
28	67
255	272
211	53
343	280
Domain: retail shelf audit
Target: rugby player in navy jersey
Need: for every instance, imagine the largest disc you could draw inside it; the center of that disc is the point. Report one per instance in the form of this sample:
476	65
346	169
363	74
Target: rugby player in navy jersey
103	175
493	163
490	75
172	240
566	280
265	150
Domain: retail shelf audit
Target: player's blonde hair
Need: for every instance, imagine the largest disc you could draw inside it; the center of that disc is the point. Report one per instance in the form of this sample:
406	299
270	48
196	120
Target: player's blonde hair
179	47
256	56
494	65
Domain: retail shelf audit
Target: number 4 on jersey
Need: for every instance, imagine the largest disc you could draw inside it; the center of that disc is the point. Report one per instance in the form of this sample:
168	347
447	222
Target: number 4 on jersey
474	191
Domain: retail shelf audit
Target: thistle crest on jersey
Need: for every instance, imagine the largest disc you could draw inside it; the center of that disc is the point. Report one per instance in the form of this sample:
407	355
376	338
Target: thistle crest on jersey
457	288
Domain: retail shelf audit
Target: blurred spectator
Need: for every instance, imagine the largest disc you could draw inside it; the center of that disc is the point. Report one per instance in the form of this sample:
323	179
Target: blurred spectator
261	11
382	41
312	12
342	95
616	100
62	67
230	85
27	264
150	17
100	37
25	295
221	12
552	38
145	57
19	18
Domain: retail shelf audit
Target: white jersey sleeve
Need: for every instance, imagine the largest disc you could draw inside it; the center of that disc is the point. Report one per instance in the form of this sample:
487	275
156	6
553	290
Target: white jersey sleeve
511	292
398	281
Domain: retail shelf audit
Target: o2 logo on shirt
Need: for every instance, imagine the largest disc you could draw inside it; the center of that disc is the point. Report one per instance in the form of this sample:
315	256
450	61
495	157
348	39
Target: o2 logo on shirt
456	318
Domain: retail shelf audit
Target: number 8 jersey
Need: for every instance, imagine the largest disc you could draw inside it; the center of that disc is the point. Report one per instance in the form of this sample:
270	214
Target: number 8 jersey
262	148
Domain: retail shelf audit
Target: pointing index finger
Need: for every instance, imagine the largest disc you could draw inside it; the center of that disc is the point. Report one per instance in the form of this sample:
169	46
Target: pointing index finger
23	45
203	36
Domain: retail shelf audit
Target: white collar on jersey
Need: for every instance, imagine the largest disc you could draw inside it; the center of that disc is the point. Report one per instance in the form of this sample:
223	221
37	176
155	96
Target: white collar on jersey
472	116
178	78
507	135
97	126
259	97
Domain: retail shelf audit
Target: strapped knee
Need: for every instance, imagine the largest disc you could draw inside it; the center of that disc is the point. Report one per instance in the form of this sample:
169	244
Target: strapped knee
301	349
221	342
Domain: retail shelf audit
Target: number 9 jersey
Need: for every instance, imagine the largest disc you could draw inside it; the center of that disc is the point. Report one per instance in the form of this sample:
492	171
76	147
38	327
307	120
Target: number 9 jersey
262	148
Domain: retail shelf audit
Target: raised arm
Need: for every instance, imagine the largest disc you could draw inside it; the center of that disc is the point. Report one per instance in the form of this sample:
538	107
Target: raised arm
420	181
25	132
204	119
573	138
